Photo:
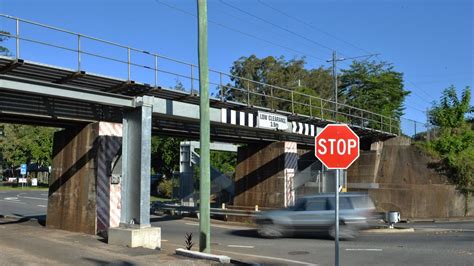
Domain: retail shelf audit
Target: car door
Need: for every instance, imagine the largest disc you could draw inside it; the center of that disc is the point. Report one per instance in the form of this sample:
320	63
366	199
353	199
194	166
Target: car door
311	217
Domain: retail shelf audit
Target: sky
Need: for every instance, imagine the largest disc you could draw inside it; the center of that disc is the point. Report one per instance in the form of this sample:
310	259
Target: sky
430	41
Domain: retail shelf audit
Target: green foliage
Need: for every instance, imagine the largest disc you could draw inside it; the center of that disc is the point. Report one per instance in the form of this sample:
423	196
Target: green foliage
4	50
26	144
373	86
451	111
455	145
165	187
165	155
224	162
290	75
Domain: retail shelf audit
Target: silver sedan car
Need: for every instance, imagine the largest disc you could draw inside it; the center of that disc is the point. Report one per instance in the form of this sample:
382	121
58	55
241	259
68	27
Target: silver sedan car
312	214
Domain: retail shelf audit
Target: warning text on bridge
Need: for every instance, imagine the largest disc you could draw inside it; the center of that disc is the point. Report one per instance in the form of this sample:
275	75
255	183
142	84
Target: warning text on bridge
272	121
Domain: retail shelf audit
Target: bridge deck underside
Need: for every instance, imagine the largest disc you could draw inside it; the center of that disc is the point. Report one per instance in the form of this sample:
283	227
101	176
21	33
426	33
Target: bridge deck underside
40	109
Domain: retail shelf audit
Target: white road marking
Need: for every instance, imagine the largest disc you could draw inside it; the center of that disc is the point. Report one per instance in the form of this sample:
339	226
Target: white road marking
265	257
257	256
44	206
164	240
222	226
11	201
363	249
239	246
34	198
12	198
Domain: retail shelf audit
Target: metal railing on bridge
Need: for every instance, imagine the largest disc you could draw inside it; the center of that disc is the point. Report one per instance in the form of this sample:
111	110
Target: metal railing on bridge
157	70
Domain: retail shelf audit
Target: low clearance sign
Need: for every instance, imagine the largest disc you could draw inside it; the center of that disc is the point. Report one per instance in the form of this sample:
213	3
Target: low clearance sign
337	146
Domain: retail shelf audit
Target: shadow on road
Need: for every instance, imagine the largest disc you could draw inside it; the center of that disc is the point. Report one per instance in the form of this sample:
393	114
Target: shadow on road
252	233
21	219
164	218
104	262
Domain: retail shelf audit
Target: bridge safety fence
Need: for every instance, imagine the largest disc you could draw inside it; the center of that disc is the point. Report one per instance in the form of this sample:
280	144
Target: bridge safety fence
38	42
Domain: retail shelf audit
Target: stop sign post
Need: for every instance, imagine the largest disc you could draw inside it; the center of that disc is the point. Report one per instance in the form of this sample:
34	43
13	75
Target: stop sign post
337	147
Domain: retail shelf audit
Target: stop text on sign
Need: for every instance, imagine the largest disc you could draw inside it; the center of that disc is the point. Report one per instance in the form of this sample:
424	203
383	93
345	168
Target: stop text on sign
336	146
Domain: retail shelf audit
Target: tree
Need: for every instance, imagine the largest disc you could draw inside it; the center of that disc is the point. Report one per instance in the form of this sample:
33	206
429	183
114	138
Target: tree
253	74
373	86
455	144
4	50
26	144
451	112
165	155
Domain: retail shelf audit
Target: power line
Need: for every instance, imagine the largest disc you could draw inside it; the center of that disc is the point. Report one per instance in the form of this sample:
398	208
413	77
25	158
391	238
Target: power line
415	86
277	26
256	24
240	32
312	27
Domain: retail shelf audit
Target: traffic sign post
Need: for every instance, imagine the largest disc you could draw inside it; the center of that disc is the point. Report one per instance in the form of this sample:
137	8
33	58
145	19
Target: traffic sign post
22	173
337	147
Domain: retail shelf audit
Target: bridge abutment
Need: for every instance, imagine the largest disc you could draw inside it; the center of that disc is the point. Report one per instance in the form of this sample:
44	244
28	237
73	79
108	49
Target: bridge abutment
82	195
264	175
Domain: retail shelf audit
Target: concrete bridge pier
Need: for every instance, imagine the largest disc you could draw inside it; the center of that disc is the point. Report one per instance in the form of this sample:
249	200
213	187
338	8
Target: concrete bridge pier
135	229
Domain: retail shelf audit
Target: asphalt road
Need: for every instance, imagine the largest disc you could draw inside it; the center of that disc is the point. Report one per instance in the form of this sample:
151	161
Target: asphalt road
23	202
430	244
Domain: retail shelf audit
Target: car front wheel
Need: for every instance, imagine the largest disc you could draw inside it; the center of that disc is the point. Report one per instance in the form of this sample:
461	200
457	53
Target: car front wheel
268	229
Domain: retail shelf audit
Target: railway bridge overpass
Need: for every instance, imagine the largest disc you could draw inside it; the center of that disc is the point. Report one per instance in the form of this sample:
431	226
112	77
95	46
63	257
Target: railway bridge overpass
125	113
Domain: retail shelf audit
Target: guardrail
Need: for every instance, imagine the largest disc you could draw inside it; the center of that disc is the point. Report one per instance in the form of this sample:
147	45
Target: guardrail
214	211
243	90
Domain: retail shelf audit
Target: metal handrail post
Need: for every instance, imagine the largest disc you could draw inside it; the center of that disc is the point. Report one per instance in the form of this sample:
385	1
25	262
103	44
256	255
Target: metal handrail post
248	93
271	98
390	124
78	52
17	38
128	62
292	103
156	71
192	79
321	108
221	86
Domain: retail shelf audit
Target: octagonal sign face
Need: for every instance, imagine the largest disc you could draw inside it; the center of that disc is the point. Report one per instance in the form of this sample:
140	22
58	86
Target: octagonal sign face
337	146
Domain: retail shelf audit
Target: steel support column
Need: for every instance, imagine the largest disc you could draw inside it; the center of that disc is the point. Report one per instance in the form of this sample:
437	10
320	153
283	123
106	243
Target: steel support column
136	154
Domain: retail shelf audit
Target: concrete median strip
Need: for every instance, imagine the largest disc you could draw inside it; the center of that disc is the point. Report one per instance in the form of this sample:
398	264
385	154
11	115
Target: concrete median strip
389	230
201	255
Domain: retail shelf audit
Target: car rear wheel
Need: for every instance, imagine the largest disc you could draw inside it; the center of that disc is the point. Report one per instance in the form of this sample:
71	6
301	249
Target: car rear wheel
270	230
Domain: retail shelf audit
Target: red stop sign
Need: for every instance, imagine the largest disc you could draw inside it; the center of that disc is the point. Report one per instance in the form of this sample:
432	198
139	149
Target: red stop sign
337	146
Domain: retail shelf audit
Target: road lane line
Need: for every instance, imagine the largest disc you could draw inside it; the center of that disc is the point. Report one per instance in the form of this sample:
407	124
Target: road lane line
223	226
363	249
11	201
239	246
44	206
256	256
266	257
34	198
11	198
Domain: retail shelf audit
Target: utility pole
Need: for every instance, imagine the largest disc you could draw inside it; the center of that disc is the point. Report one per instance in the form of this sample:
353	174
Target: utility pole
334	61
205	127
334	78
